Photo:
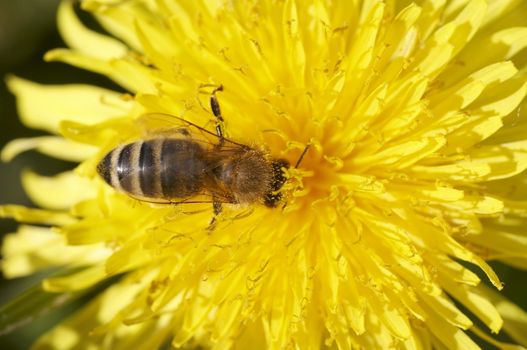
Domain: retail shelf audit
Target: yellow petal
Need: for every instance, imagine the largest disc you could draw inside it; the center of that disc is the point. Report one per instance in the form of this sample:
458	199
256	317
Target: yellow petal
477	302
446	309
54	146
156	44
499	8
482	205
103	317
58	192
467	90
127	258
360	53
85	278
450	336
454	271
118	20
515	319
501	45
505	160
45	106
449	39
90	231
128	73
460	171
38	216
34	248
498	344
400	156
400	36
460	30
470	131
432	15
78	37
501	101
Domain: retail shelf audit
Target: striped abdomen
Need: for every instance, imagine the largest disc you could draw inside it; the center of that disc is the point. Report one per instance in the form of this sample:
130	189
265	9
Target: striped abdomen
160	168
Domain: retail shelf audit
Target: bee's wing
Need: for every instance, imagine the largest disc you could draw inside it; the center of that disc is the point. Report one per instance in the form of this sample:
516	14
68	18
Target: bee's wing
161	124
203	197
209	196
169	125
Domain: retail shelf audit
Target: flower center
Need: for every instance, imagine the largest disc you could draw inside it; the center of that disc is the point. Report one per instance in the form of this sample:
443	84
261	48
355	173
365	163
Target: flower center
319	171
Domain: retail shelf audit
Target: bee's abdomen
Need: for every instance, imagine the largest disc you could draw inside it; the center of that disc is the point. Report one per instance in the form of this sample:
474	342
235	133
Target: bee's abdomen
158	168
132	169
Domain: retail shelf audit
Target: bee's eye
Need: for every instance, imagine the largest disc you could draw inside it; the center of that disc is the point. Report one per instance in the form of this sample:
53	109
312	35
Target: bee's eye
271	200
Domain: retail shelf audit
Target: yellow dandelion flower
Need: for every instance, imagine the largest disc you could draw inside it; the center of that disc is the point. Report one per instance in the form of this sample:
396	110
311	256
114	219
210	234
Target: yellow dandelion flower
416	118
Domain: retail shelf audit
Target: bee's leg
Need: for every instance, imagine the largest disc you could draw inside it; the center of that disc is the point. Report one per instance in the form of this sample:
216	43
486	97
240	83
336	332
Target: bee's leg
217	210
215	106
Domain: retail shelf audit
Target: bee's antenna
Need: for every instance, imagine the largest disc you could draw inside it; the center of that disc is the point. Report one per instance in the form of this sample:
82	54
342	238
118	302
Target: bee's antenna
302	156
297	164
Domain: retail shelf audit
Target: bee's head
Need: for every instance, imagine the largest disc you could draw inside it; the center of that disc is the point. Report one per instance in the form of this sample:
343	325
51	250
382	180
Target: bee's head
272	198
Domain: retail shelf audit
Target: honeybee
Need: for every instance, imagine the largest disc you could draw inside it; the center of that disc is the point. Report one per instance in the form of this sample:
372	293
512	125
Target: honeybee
176	166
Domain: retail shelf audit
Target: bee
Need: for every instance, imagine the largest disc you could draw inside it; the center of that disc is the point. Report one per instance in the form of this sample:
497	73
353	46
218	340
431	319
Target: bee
177	166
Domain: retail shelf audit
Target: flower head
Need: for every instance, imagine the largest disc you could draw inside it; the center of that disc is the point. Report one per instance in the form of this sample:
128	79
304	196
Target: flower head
414	175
